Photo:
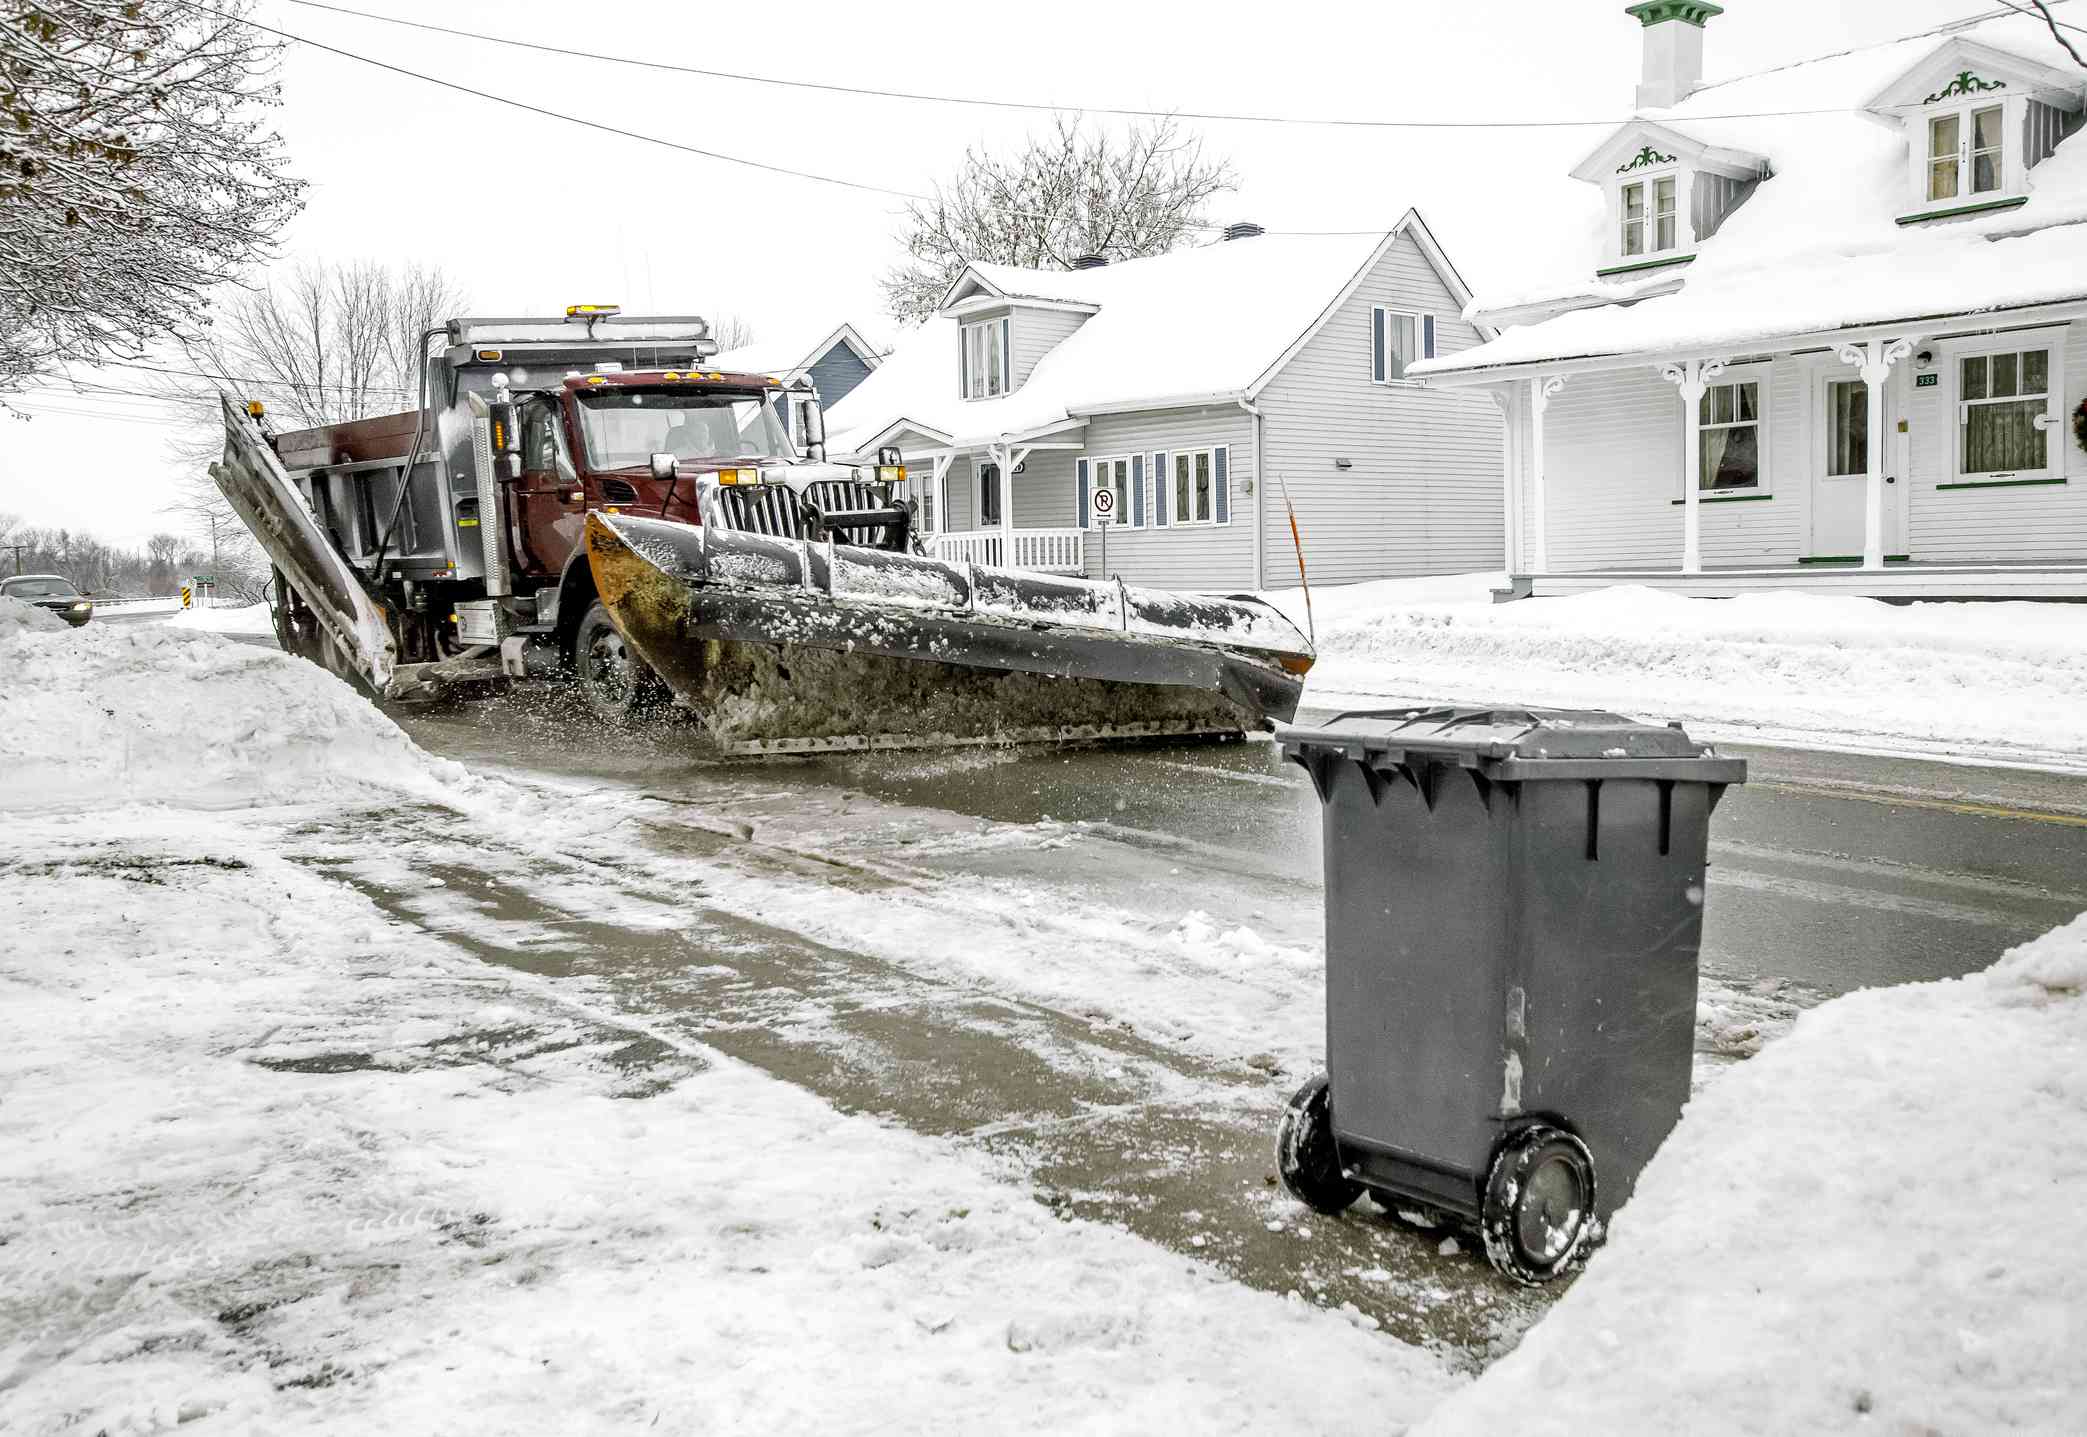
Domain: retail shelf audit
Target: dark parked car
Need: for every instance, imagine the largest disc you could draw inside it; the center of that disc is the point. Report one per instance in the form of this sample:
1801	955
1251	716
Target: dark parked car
49	591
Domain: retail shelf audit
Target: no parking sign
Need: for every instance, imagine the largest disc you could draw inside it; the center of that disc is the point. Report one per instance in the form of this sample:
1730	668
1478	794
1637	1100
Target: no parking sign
1105	506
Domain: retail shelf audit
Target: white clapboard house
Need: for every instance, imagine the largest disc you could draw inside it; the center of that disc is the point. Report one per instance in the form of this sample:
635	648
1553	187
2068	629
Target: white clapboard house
1829	329
1202	390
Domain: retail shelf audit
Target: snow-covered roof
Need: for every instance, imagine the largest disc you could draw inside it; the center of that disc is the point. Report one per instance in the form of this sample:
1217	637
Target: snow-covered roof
1205	323
795	352
1817	246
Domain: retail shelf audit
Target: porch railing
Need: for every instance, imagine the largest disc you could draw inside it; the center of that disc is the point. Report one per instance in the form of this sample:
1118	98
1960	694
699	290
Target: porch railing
1055	551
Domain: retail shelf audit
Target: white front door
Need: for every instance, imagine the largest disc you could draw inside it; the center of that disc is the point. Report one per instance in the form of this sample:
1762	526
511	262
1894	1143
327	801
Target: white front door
1840	465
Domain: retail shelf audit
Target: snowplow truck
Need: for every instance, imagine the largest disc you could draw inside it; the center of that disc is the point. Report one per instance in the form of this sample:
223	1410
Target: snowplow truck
581	498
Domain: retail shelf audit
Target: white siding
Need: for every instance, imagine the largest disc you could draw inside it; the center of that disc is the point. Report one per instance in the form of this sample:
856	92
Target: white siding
2040	521
1422	494
1036	333
1613	449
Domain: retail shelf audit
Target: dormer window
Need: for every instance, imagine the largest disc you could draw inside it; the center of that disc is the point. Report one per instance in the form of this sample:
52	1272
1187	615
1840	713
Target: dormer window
1648	217
1964	153
982	353
1976	121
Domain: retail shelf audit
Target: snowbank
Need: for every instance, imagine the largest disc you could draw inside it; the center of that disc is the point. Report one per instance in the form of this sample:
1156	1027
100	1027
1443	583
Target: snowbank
106	715
246	619
17	617
2005	678
1871	1225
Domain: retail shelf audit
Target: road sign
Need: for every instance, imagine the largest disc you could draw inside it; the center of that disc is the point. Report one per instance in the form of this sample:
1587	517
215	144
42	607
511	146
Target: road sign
1105	506
202	579
185	596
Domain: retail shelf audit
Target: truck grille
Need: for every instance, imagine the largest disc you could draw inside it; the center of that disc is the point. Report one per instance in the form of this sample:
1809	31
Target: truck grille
773	509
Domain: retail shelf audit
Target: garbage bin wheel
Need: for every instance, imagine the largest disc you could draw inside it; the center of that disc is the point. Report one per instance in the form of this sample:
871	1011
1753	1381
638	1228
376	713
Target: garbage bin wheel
1538	1207
1306	1156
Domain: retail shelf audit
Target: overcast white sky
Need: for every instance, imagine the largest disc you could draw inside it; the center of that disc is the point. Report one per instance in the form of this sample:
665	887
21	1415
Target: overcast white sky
530	214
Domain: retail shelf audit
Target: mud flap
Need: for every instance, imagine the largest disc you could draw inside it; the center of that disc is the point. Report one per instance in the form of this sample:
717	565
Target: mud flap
253	480
782	645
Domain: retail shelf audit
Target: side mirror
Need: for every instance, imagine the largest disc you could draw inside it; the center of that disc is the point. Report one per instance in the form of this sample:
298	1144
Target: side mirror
665	468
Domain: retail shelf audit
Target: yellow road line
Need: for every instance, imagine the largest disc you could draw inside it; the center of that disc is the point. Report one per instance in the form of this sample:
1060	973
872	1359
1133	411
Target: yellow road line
1940	805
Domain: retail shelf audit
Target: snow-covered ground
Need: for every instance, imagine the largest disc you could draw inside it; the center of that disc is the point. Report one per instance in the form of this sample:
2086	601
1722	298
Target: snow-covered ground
275	1155
1871	1227
275	1160
2003	681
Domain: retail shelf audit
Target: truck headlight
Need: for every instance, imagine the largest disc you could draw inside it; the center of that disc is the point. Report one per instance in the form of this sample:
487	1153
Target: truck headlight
81	608
891	473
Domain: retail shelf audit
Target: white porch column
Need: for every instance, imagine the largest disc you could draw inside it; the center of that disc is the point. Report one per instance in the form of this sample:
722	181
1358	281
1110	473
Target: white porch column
1873	359
938	485
1503	397
1692	377
1541	389
1007	502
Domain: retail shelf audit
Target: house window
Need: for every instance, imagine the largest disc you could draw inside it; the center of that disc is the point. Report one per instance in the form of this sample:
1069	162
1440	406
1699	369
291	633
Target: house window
1114	474
982	360
988	496
1964	153
1396	340
1847	427
2003	412
1193	499
1730	418
1649	225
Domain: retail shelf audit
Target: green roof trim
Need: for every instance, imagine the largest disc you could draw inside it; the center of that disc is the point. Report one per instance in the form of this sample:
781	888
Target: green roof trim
1695	12
1643	264
1980	208
1850	558
1708	498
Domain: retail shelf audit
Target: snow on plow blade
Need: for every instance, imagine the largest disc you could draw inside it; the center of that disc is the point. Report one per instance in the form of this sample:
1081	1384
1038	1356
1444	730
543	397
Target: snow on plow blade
778	645
253	480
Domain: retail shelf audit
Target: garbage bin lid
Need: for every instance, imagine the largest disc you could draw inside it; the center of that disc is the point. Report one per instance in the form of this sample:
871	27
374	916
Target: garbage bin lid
1517	743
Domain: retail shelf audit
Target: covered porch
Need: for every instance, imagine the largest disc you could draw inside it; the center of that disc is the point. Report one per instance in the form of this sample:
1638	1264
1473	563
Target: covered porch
968	494
1928	460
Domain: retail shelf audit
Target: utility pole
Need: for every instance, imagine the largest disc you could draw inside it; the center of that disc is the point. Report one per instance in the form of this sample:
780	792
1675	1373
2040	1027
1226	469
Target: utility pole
18	548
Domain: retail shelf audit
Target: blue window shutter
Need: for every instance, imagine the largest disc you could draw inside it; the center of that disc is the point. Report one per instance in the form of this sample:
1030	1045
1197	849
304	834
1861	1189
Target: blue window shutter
1007	357
1137	491
1160	488
1427	336
963	363
1377	344
1083	493
1223	496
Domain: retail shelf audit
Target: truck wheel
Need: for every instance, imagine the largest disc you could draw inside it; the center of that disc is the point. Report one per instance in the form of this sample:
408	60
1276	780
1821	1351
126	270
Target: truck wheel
1538	1208
1306	1156
618	686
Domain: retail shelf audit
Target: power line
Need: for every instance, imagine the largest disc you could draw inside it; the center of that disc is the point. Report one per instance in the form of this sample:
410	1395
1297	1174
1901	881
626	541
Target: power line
598	125
257	379
1028	106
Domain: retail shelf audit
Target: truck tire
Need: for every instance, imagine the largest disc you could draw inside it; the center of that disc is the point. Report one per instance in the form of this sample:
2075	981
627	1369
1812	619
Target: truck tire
617	685
1537	1210
1306	1156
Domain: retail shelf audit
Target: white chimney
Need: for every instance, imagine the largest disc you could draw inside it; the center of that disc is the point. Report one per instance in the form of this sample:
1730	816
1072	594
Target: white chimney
1673	49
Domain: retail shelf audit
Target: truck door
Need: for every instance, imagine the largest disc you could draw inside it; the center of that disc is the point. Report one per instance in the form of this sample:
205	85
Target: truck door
550	503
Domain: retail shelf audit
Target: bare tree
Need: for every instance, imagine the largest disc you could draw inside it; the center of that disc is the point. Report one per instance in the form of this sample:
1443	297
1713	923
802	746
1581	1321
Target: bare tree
731	331
1062	196
2042	9
320	344
137	172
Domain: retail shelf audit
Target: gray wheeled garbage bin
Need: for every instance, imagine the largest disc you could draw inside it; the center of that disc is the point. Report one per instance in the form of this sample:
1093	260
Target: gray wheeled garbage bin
1514	899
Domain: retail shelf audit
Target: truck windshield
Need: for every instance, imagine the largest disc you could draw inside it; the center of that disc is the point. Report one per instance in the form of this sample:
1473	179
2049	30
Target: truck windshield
626	427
